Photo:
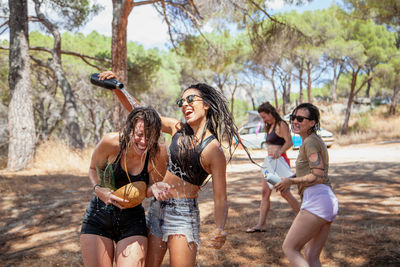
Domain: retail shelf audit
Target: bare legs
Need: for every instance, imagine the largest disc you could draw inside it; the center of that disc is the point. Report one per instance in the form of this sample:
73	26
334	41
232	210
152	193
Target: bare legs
155	251
309	231
180	252
99	251
266	203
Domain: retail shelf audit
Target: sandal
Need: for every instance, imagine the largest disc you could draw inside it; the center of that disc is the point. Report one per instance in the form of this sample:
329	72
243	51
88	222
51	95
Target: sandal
255	230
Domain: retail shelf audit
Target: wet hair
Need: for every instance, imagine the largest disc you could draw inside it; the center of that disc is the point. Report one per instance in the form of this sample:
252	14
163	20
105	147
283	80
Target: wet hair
152	130
313	114
266	107
219	122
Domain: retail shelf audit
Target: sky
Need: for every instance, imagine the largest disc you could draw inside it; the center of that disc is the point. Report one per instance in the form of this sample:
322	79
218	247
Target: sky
155	34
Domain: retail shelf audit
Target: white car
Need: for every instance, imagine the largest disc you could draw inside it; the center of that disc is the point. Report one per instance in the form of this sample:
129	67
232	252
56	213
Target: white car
253	136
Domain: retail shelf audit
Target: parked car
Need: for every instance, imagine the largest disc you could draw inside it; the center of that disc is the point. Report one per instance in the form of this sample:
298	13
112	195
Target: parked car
253	136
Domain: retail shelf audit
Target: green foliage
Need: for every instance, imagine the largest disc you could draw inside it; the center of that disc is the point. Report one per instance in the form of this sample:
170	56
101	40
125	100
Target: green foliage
71	14
4	87
363	123
142	67
239	111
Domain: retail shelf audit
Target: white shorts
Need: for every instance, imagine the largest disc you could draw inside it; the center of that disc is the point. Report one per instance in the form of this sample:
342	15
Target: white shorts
321	201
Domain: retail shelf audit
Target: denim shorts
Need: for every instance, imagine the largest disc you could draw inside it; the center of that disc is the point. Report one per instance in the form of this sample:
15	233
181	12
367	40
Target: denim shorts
112	222
320	200
175	217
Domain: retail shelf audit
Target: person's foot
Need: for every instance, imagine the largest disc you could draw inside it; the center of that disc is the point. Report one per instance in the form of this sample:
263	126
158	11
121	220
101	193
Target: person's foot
255	230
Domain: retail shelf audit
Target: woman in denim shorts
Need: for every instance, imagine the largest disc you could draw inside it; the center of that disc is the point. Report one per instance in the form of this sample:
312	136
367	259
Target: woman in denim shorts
134	155
195	153
319	205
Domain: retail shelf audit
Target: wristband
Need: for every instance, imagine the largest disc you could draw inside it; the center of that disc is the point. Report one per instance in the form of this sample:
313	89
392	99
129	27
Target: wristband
94	187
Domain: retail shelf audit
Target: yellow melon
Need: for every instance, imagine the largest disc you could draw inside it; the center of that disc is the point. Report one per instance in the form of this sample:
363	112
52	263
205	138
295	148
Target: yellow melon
134	192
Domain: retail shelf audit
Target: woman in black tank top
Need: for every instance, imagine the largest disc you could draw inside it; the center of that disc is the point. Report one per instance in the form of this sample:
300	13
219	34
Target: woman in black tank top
279	141
132	156
195	153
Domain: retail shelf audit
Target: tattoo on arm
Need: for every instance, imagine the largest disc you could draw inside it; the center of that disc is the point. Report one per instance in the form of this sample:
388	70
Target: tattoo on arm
317	162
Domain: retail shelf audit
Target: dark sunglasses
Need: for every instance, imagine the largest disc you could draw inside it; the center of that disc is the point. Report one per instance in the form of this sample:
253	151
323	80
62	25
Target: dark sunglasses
298	118
189	99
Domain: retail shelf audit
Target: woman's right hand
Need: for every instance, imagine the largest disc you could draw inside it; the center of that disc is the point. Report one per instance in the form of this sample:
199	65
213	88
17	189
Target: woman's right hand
161	191
218	238
106	195
108	74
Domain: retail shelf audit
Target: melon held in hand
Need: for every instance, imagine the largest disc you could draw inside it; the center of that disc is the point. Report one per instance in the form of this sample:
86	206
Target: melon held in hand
134	192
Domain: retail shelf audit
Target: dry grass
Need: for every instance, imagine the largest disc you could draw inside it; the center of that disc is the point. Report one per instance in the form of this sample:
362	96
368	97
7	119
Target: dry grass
54	157
366	127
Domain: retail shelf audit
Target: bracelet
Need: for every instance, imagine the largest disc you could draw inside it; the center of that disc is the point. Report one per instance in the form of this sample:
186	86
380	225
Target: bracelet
94	187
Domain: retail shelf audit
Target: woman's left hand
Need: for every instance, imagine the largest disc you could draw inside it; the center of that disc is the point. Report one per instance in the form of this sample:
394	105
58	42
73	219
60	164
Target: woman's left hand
218	239
283	185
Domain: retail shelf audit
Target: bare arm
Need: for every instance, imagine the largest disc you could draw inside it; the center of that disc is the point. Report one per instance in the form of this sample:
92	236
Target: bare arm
126	99
104	151
216	164
157	169
315	177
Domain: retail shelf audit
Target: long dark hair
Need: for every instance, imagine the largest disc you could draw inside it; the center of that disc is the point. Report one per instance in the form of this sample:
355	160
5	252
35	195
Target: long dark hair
219	122
152	130
266	107
313	112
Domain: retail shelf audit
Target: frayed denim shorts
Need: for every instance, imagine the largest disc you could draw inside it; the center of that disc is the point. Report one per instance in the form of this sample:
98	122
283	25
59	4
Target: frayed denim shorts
320	200
175	217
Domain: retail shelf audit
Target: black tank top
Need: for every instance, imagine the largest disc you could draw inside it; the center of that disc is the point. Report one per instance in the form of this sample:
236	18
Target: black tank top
175	166
120	175
274	139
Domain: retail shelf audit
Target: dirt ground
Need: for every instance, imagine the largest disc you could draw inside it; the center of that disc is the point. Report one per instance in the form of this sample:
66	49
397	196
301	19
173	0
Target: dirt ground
41	214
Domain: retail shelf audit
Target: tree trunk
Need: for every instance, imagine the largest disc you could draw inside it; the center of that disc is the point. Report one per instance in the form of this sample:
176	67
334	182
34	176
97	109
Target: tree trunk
301	85
334	84
21	124
349	103
121	11
71	113
396	91
309	83
369	84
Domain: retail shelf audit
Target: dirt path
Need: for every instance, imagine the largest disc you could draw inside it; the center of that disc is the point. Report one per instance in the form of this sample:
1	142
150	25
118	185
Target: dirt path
41	214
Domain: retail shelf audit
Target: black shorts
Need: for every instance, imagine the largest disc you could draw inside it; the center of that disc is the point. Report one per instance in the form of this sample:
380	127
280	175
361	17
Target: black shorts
112	222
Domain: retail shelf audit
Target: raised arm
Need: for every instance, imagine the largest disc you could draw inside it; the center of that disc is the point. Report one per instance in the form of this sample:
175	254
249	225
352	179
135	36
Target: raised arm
126	99
169	125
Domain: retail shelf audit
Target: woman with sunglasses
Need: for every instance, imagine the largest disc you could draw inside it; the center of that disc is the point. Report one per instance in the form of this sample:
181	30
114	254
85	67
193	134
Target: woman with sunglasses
279	141
132	156
319	205
173	218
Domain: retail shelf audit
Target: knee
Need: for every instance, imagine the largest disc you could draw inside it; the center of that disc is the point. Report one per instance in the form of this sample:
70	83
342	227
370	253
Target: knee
287	248
311	256
265	193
